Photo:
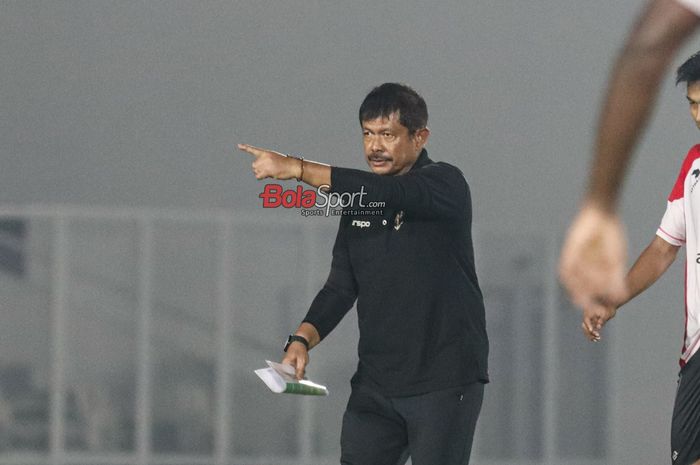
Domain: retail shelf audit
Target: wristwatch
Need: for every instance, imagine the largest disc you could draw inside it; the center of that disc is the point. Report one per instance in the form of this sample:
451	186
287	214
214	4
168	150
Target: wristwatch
295	338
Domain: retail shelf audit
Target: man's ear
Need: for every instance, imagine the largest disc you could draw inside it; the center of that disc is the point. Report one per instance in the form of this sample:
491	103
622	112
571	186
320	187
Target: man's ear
421	137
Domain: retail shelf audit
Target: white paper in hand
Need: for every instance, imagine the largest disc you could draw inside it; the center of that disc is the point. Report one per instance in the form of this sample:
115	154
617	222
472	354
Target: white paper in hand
280	379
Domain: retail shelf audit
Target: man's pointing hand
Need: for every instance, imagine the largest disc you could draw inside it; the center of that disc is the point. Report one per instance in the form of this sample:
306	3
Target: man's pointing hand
271	164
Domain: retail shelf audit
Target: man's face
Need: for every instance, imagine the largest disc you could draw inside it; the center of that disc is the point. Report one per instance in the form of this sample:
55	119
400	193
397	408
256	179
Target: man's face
694	101
389	148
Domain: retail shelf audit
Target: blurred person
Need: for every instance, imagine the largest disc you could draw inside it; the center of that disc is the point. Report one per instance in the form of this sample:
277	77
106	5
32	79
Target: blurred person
679	226
423	348
593	257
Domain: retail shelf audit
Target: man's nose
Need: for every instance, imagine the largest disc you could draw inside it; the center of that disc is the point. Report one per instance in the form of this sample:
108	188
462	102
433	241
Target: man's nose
376	145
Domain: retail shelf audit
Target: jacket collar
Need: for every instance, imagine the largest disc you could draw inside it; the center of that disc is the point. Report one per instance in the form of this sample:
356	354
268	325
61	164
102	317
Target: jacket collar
421	161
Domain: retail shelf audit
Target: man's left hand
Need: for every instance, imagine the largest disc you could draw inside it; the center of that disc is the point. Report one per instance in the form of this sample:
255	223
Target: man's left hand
271	164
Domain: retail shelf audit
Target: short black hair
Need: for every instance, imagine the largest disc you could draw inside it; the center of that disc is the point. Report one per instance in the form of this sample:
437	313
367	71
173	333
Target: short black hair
690	70
390	98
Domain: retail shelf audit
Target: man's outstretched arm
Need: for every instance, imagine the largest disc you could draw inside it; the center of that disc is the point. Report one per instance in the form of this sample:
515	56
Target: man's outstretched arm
594	253
275	165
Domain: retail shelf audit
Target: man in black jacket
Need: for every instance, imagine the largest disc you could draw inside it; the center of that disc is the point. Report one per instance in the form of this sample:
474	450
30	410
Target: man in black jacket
423	347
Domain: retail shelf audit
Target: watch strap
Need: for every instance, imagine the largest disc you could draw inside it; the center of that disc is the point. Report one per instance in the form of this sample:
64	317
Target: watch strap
296	338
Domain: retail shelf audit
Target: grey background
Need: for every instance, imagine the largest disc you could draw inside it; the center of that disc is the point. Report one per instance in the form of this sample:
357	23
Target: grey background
142	103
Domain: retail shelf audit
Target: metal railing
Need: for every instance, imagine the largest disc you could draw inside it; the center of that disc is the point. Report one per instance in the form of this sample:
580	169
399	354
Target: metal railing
308	233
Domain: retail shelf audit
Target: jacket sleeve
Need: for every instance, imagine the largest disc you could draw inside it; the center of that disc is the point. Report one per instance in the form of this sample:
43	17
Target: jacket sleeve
436	190
338	294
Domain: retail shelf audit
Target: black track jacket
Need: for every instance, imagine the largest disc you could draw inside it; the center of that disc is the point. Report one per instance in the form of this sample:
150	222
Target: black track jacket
411	269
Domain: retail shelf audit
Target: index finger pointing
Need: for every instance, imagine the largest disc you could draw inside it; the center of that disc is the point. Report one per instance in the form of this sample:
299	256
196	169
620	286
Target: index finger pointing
255	151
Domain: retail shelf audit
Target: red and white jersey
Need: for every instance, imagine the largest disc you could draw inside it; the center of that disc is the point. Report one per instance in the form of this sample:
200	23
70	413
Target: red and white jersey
681	226
692	5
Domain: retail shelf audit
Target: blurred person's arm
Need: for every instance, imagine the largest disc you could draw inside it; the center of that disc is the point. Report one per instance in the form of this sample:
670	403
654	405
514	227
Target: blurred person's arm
634	84
594	253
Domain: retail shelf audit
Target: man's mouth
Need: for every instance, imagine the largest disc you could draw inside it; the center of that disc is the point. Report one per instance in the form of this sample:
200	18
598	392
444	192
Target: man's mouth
378	160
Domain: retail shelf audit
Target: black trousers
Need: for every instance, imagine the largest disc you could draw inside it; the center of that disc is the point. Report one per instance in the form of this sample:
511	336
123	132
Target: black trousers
685	424
436	428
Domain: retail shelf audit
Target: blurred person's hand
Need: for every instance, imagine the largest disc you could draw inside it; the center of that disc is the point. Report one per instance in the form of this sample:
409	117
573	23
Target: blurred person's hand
593	258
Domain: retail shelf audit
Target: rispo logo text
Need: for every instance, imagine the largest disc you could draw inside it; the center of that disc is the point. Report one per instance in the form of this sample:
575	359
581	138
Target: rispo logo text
274	196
